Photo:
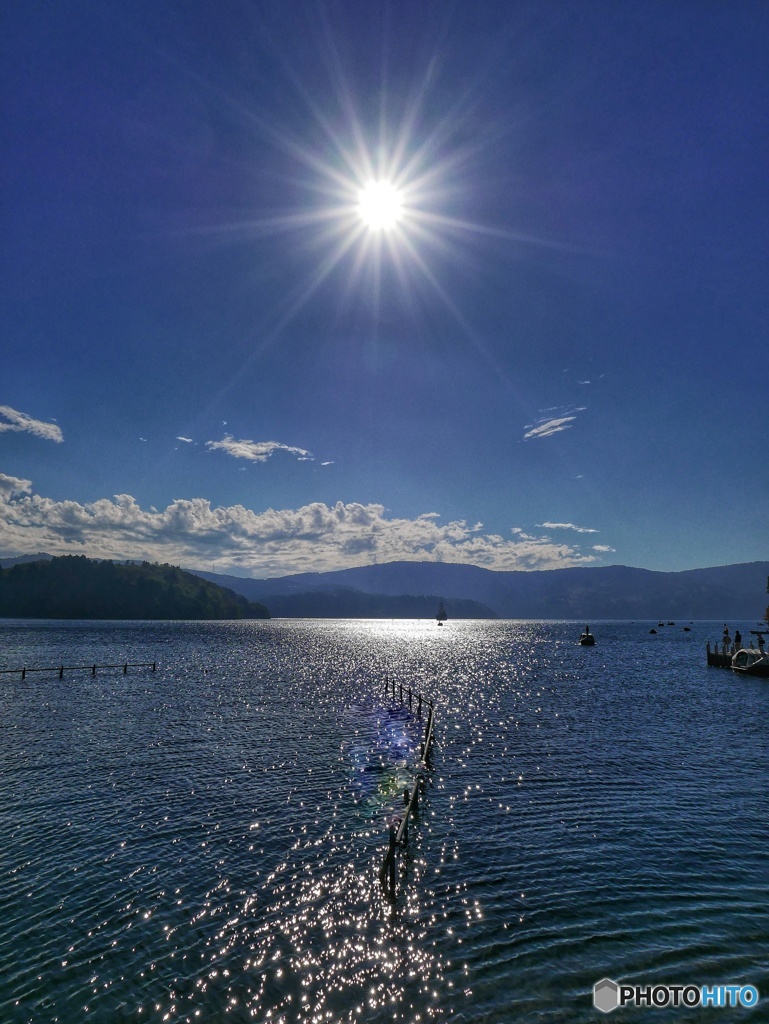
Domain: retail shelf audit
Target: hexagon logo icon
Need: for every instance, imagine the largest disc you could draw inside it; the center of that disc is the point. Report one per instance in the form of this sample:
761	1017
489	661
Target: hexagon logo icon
606	995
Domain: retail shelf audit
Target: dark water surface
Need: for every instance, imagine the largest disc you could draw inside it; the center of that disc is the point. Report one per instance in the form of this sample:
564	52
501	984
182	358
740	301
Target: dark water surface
203	843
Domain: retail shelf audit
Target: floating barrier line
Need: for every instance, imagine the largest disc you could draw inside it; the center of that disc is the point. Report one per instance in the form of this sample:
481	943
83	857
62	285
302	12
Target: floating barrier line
399	828
61	669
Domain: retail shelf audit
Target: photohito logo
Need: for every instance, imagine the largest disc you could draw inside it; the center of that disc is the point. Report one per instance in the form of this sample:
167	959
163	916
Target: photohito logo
608	995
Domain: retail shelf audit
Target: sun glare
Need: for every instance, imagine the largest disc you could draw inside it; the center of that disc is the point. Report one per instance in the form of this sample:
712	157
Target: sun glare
380	205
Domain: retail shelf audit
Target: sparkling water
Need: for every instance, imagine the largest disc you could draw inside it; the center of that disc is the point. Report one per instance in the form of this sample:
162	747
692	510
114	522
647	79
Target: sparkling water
203	842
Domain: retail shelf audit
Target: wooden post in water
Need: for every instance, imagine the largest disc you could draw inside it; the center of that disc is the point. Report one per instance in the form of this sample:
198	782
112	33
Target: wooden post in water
93	670
427	745
392	862
61	672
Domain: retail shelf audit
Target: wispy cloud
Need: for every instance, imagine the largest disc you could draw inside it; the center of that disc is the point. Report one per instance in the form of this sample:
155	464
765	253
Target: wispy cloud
187	440
316	537
602	549
566	526
256	451
19	421
549	425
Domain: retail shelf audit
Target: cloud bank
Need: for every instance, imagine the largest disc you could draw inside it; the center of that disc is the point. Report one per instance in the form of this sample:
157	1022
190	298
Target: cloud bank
12	485
19	421
316	537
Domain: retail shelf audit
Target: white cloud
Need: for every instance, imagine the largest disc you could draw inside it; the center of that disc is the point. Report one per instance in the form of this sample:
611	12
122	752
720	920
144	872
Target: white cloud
11	485
552	424
187	440
316	537
19	421
603	548
566	526
255	451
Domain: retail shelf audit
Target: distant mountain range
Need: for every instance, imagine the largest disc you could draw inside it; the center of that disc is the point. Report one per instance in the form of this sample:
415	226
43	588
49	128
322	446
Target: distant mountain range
610	592
414	589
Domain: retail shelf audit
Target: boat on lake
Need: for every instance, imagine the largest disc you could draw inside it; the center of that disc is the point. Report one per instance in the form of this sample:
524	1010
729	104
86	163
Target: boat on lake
441	615
753	661
587	639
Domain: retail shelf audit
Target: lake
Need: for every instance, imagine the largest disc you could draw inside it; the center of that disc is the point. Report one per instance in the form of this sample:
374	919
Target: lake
203	842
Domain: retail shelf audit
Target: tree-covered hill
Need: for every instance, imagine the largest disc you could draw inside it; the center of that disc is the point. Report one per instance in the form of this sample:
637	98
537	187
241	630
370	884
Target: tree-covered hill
76	587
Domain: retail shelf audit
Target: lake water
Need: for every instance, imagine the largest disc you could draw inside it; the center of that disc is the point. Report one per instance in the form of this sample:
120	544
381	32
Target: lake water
203	843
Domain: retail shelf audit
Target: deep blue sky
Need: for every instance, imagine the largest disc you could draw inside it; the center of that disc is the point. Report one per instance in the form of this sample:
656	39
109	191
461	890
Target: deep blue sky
559	356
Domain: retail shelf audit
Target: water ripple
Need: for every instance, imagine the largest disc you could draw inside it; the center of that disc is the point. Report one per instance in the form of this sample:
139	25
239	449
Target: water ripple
203	843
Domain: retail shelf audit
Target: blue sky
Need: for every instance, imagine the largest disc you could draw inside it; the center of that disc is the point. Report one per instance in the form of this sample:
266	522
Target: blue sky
557	356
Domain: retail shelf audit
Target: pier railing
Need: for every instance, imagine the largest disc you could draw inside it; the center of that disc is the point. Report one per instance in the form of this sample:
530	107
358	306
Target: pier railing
61	669
722	658
399	827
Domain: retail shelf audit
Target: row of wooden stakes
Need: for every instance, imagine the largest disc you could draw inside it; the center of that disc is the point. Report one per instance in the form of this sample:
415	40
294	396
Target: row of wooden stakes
399	827
61	669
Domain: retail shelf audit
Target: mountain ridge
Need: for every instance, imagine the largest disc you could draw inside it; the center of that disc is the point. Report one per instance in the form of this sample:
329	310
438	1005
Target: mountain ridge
597	592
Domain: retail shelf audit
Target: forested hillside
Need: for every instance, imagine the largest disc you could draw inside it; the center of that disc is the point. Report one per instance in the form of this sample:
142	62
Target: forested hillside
76	587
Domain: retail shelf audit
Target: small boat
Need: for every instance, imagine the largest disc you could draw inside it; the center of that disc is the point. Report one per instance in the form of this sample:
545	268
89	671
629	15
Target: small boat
753	661
441	615
587	639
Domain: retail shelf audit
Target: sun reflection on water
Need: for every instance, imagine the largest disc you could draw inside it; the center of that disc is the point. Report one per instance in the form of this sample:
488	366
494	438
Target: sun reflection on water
214	854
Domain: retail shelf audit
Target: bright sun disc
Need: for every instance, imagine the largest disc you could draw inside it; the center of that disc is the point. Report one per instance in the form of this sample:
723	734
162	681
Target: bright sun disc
380	205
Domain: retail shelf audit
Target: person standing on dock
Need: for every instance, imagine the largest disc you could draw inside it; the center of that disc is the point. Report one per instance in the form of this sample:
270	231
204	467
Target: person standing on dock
738	639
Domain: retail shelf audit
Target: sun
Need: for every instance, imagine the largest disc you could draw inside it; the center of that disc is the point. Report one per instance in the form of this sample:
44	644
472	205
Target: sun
380	205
